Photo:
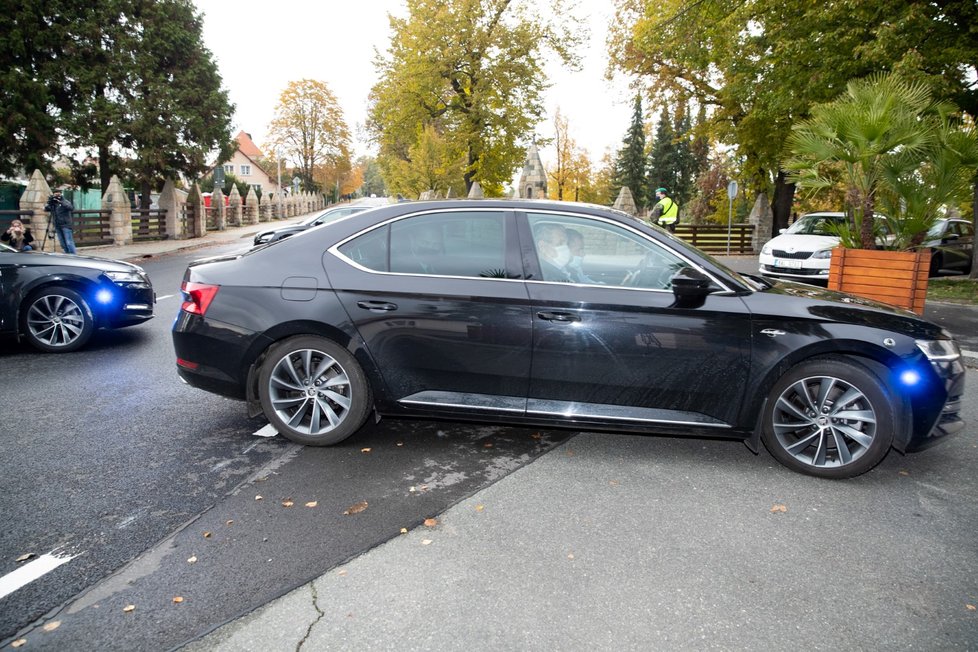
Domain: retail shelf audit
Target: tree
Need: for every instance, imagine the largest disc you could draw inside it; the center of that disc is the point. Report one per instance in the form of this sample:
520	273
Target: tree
663	159
630	169
891	145
761	64
127	79
432	163
373	182
472	69
564	173
309	127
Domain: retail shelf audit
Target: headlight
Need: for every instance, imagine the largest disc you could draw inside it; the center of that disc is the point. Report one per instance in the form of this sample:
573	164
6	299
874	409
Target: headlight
125	277
822	253
766	250
939	350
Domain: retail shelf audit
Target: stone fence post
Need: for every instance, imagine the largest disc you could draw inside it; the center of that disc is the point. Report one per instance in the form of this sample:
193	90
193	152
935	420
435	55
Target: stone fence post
234	207
116	200
34	199
197	226
171	202
220	211
250	214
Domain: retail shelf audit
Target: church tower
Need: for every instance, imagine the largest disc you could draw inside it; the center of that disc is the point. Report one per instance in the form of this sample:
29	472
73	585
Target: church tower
533	181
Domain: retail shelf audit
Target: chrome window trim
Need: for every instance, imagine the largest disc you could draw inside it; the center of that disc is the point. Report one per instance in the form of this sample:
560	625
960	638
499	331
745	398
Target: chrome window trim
335	252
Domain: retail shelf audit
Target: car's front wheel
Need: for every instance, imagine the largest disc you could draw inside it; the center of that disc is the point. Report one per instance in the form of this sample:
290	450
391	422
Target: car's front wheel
829	417
313	391
57	320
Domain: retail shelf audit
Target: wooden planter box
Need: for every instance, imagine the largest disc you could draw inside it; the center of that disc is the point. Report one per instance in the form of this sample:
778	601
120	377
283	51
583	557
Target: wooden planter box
895	277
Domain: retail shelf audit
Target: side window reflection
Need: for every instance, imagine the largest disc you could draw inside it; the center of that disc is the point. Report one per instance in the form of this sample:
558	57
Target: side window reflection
459	243
593	252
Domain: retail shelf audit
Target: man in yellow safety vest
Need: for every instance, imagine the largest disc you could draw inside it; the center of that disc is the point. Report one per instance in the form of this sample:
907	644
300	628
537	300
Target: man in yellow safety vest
665	213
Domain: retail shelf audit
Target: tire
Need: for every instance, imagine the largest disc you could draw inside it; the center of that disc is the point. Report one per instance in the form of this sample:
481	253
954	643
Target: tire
293	404
57	320
936	262
806	428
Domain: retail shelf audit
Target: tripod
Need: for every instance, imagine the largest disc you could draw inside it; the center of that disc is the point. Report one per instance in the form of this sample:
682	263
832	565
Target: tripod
47	232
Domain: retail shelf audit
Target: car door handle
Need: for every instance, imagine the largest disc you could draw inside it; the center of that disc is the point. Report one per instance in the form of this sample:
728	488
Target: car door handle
377	306
772	332
558	316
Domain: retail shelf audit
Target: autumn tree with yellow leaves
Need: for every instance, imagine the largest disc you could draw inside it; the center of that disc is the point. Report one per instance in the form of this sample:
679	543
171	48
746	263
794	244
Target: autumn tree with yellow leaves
309	129
471	70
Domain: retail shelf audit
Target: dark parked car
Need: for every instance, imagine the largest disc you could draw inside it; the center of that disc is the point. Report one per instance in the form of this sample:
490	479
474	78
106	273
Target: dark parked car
488	310
951	242
323	217
56	301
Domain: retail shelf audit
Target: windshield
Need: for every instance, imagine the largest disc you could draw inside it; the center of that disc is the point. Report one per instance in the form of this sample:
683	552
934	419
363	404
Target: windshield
816	224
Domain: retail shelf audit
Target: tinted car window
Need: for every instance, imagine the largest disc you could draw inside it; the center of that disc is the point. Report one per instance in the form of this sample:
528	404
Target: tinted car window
582	250
369	250
449	244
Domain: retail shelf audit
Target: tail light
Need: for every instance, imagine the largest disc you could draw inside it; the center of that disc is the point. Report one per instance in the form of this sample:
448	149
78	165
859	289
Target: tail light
197	297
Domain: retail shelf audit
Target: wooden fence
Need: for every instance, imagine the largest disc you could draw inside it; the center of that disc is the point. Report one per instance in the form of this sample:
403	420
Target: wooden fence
148	224
712	238
91	228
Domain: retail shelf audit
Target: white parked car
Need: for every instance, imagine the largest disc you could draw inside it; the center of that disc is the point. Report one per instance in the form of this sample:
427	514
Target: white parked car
803	251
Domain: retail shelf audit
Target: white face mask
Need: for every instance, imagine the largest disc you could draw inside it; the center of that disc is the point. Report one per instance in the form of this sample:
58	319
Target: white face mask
576	261
562	255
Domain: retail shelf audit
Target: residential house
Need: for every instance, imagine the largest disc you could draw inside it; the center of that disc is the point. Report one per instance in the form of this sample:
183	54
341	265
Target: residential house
244	165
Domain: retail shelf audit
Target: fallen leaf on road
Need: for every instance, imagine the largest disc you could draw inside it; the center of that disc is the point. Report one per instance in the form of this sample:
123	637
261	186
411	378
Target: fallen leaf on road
426	542
341	572
902	472
613	483
229	523
430	522
356	509
177	599
479	508
129	608
192	560
570	555
488	444
365	450
779	508
18	642
400	443
24	557
971	607
536	435
287	503
258	497
51	626
207	535
312	503
403	530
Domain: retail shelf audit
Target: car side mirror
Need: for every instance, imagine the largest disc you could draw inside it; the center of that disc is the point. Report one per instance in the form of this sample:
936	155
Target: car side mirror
951	236
690	287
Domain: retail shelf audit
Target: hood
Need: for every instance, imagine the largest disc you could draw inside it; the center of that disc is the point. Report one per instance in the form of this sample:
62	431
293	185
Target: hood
792	242
73	260
808	301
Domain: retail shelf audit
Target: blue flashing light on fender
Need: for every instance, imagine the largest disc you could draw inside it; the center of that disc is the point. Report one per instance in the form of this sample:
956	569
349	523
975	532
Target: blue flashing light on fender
910	377
104	296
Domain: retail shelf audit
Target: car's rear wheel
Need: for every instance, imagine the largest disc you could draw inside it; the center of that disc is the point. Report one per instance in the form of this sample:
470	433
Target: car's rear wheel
313	391
57	320
829	417
936	262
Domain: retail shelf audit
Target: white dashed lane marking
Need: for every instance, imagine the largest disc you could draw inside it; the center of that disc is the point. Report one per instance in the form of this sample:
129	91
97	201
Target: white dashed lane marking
165	296
30	572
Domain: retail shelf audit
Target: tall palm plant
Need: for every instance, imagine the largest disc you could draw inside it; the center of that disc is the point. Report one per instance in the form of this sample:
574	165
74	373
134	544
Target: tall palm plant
878	130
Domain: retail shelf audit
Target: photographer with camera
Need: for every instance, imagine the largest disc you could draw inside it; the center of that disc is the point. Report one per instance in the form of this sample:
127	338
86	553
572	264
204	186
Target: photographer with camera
60	209
18	236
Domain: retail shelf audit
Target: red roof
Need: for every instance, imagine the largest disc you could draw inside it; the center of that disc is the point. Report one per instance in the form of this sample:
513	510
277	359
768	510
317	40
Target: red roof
247	146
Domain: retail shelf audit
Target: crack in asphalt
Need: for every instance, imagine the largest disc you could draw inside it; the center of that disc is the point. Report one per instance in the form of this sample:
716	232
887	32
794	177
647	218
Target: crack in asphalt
315	605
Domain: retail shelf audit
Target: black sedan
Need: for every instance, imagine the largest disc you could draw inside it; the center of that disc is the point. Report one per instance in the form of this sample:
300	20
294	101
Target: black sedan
56	301
951	243
559	314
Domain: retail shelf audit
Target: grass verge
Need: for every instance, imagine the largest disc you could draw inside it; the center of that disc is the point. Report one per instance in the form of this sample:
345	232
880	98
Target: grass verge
955	289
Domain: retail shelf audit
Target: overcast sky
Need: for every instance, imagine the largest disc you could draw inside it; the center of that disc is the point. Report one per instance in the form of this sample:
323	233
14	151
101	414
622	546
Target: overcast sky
261	47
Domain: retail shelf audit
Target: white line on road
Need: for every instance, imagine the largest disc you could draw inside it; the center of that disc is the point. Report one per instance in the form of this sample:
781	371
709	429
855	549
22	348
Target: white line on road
27	574
165	296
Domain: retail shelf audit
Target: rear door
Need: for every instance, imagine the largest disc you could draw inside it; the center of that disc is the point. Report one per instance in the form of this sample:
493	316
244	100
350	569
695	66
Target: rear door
439	300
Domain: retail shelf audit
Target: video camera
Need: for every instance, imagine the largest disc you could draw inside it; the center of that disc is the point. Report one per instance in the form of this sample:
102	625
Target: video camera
53	202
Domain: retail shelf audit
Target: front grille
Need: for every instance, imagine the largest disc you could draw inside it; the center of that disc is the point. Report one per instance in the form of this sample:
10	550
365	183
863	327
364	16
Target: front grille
793	271
798	255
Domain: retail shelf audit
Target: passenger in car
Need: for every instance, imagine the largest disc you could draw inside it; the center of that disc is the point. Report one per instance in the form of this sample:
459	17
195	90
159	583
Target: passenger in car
575	268
553	252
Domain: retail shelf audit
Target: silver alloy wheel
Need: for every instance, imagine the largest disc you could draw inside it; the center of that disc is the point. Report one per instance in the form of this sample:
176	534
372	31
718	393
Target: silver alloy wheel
310	391
824	421
56	320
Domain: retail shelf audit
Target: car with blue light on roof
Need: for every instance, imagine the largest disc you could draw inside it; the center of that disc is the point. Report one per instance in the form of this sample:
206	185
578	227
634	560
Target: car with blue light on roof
57	301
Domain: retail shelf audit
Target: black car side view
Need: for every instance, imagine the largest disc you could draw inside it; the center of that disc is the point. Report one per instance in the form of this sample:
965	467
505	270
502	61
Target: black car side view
57	301
558	314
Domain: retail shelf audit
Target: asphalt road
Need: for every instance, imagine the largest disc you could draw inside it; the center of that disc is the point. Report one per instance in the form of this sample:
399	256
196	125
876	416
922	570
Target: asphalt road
110	457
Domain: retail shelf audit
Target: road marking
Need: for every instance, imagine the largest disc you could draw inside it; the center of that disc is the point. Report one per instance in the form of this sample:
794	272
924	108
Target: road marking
268	431
27	574
165	296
